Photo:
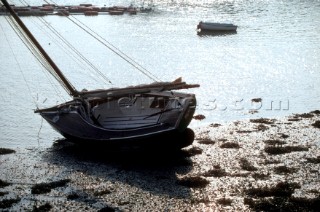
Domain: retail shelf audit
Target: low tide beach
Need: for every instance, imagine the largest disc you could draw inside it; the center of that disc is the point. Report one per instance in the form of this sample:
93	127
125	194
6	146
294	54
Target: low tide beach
256	164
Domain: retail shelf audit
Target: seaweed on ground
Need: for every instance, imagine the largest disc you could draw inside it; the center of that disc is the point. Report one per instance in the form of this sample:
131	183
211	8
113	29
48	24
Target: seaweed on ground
317	112
7	203
274	142
206	141
260	176
224	201
316	124
284	170
3	193
239	174
230	145
272	161
3	184
282	189
46	187
103	192
313	160
294	119
246	165
194	151
276	150
223	139
244	131
284	136
4	151
263	121
107	209
304	115
42	208
199	117
193	182
262	127
214	125
198	200
284	204
73	196
217	172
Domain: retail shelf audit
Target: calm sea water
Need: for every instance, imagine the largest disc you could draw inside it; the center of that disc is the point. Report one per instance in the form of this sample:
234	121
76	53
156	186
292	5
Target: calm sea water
275	56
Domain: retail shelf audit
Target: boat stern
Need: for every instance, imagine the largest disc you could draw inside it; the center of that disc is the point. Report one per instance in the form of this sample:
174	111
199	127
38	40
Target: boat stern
187	115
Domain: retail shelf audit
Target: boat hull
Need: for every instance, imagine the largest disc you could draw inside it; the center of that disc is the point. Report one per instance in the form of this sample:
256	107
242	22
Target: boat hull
219	27
169	140
116	125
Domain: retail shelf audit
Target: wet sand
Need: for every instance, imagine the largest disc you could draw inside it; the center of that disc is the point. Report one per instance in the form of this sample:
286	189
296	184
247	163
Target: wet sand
260	164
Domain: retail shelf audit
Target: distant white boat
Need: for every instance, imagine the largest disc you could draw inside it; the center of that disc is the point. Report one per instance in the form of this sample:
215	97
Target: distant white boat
211	26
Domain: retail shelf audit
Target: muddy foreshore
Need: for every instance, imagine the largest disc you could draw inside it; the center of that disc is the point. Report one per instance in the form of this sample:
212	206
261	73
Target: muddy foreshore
258	164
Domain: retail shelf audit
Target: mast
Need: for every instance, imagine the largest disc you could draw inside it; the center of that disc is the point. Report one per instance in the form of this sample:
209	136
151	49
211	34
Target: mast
71	89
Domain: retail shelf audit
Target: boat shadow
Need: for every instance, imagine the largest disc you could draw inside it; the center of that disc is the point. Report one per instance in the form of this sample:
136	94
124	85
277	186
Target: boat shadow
208	33
154	170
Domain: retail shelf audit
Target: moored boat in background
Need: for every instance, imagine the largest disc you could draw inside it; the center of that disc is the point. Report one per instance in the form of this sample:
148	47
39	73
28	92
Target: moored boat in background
219	27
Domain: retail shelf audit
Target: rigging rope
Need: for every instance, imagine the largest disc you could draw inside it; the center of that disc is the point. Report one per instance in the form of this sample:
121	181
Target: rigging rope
72	50
33	50
83	59
115	50
24	2
23	76
112	47
96	36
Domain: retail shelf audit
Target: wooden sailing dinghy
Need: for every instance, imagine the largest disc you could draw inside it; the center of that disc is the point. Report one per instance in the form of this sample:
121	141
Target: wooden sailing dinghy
118	116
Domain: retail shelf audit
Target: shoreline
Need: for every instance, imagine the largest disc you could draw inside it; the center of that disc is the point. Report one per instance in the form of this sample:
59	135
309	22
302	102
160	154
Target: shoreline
246	165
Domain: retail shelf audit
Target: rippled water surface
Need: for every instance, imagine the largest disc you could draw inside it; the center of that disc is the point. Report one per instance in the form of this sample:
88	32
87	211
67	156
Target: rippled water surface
275	56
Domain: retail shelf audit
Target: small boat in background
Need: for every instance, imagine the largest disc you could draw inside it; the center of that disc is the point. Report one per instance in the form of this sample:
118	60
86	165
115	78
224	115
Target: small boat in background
219	27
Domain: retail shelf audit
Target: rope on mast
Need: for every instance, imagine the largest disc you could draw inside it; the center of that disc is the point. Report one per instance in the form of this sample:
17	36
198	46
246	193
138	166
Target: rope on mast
23	76
72	48
34	50
113	48
70	88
